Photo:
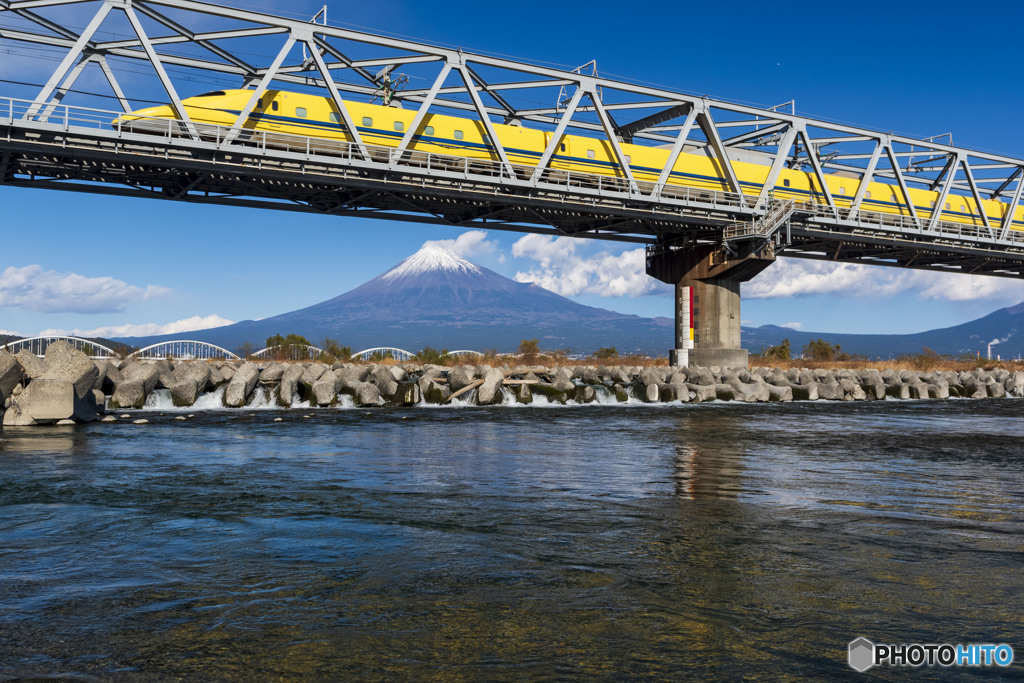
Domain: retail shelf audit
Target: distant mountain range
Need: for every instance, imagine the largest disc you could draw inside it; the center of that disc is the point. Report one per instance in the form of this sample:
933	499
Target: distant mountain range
1003	328
436	298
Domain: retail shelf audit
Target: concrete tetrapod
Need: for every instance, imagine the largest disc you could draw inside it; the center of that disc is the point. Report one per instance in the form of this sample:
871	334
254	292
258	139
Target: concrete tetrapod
11	374
60	389
489	391
241	385
44	401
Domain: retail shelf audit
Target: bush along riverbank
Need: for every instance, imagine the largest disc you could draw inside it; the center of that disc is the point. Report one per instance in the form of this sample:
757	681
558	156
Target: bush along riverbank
67	387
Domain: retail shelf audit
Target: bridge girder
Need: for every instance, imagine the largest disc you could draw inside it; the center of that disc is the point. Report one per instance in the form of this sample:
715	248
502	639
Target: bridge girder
180	39
51	160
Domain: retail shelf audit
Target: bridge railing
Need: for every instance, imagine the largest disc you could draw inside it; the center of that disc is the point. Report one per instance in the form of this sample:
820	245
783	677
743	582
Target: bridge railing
908	224
68	118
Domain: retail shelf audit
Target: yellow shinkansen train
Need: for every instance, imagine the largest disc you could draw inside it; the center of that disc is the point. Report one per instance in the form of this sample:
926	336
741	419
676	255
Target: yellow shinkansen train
317	117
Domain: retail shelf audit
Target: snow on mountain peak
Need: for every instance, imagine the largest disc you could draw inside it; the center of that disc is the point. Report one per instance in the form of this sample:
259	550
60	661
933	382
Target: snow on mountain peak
429	259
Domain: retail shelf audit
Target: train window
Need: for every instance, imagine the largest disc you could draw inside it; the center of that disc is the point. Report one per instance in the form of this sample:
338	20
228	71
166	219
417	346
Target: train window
429	130
947	206
786	182
590	154
368	122
335	117
459	135
259	103
629	159
563	146
487	139
399	126
867	195
963	208
300	112
932	203
273	105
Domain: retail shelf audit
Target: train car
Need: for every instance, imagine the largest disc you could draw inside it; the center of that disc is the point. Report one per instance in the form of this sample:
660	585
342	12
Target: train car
290	120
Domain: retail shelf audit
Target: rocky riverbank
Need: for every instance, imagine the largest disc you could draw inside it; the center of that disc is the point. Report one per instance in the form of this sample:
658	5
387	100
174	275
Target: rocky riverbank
67	387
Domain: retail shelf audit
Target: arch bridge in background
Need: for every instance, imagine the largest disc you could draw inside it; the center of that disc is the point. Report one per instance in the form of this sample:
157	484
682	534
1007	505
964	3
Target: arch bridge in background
37	346
288	352
183	349
395	353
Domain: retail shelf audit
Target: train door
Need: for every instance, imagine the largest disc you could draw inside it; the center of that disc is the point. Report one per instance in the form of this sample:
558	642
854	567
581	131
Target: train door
562	154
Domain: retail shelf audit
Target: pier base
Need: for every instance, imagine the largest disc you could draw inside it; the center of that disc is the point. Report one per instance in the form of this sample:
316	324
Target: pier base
714	272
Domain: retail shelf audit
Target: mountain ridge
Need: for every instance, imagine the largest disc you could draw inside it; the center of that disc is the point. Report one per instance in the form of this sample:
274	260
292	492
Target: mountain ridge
1002	327
436	298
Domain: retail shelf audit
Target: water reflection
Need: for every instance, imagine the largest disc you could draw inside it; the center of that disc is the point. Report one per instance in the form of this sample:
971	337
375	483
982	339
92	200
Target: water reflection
43	440
703	473
709	456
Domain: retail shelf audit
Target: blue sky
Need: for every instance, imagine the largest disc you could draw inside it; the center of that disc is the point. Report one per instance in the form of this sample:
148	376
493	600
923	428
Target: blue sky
85	262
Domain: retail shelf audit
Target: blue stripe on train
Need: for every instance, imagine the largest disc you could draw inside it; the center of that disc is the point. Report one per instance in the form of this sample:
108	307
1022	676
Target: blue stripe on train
580	161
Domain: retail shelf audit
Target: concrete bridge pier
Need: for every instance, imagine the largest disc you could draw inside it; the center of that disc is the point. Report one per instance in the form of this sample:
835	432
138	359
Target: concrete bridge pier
714	272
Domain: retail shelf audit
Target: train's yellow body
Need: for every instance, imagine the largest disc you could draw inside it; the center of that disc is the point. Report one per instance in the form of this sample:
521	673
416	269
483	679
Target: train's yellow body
313	116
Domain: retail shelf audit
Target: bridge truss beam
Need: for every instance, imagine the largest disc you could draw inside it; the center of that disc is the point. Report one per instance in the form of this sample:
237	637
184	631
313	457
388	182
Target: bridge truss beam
46	142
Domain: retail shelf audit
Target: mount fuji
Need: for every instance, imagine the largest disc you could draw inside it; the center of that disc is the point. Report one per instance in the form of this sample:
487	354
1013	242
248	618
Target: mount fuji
437	298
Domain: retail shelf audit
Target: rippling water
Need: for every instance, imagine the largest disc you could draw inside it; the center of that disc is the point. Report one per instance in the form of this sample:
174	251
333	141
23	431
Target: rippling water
508	543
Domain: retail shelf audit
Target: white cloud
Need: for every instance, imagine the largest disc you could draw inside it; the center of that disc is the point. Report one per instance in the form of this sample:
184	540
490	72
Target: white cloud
969	287
793	326
467	244
11	333
146	329
560	269
795	277
33	289
792	277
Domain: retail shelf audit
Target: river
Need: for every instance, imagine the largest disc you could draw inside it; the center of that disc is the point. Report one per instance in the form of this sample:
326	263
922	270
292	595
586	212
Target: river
508	543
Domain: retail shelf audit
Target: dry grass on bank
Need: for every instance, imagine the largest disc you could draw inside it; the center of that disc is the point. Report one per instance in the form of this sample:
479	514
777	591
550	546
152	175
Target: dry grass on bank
920	363
488	359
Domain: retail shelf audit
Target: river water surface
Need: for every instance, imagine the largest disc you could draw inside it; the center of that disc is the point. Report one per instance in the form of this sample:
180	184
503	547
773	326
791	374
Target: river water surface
507	543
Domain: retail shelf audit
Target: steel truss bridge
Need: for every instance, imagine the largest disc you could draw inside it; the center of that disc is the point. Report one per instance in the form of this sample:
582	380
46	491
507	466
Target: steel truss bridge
59	137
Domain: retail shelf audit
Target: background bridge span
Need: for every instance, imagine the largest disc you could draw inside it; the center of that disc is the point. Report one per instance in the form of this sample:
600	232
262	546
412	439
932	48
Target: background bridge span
37	346
183	349
384	352
288	352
